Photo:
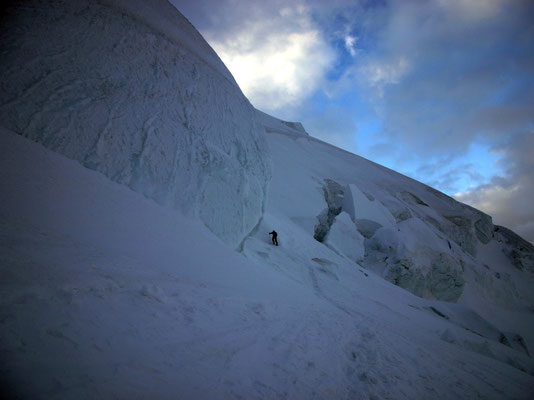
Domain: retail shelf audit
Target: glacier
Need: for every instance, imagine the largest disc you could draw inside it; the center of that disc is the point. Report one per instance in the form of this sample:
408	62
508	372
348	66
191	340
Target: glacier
139	186
128	100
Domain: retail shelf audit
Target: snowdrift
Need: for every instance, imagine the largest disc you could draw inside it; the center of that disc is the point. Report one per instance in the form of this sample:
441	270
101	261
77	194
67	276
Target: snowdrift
131	89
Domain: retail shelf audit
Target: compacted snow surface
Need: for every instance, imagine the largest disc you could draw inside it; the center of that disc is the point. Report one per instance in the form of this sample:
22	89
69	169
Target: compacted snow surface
121	278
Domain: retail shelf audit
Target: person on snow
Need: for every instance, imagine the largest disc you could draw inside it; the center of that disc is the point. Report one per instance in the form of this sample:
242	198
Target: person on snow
275	237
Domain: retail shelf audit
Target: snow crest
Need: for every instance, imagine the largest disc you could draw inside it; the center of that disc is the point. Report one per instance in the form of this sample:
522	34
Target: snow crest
144	101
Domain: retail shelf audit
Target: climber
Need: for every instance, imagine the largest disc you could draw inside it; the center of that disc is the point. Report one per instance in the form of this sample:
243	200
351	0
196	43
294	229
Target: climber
275	237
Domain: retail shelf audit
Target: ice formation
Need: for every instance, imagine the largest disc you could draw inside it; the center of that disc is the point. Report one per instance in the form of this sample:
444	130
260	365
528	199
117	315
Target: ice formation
412	235
359	206
144	101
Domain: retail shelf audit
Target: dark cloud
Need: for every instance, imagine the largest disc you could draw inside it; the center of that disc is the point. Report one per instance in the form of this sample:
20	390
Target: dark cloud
441	75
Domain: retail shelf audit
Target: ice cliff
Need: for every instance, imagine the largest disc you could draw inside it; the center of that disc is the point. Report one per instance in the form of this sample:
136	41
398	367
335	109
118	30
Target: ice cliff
131	89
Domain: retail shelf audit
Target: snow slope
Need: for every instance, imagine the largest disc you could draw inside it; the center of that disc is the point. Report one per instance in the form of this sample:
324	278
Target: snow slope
406	232
130	89
106	294
127	183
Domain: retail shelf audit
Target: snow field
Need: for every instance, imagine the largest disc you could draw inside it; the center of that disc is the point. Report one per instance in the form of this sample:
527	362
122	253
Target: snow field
108	294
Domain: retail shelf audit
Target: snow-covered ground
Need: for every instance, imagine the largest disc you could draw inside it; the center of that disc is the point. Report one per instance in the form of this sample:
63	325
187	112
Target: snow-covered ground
130	285
106	294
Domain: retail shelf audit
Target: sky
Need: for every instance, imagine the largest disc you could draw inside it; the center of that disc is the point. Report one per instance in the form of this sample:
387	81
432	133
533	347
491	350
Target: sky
439	90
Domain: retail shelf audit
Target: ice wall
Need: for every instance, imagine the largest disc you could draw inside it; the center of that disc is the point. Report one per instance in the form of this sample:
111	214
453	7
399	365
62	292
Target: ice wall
359	206
132	90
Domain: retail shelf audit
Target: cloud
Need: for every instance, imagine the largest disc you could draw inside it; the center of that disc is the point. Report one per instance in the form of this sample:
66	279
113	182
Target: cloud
350	44
508	198
449	178
275	51
279	72
443	73
507	204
